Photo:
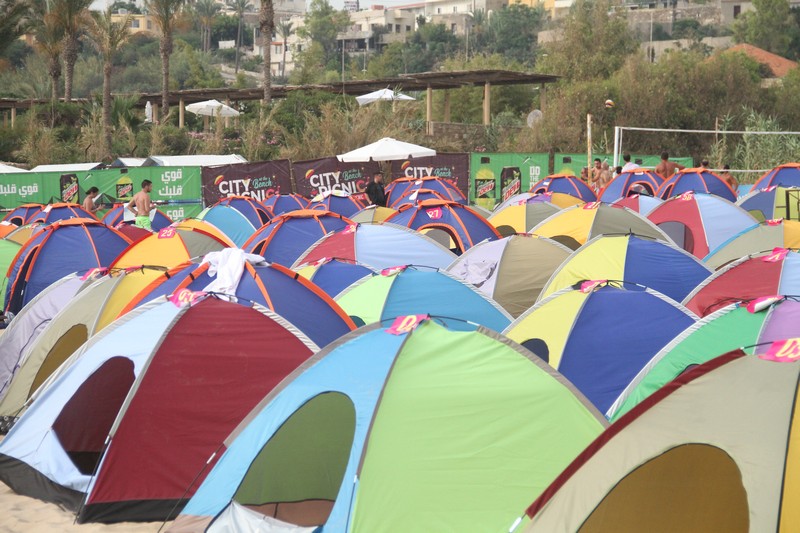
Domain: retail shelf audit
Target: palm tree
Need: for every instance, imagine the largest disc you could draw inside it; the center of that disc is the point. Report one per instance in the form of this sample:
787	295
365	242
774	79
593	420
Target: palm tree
15	17
49	41
240	6
206	11
165	14
285	30
266	25
72	16
107	36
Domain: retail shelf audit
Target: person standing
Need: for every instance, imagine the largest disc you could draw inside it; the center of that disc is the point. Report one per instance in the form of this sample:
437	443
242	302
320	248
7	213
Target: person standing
88	202
667	168
141	206
375	191
628	166
729	178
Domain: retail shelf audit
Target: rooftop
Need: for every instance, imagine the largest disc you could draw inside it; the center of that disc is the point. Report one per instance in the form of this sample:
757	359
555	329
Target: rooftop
780	66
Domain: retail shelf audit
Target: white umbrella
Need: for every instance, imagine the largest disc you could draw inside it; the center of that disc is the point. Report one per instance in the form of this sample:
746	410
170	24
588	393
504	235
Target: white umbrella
383	94
387	149
212	108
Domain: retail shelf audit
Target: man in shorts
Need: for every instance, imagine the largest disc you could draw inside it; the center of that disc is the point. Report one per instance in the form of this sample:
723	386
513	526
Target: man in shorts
141	206
667	168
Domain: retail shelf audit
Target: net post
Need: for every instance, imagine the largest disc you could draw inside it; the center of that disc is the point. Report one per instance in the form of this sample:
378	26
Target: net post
616	145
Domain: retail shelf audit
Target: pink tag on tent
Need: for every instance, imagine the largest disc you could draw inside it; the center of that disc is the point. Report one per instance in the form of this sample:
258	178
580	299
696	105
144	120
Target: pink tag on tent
404	324
759	304
92	272
774	222
167	233
589	286
321	261
434	213
685	197
185	297
351	228
591	205
785	351
393	270
770	188
778	254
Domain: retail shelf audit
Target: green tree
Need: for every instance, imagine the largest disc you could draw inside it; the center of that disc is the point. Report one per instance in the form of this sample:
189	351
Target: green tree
285	30
513	31
72	16
206	12
165	13
770	26
594	44
107	36
240	6
322	25
14	21
49	42
130	7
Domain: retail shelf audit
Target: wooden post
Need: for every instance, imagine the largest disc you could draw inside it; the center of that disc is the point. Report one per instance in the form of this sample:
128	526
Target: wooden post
228	119
589	147
447	105
487	104
429	109
542	96
156	116
205	123
181	113
13	116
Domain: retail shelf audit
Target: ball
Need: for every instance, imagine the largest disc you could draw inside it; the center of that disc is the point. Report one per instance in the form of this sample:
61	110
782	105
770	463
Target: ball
609	104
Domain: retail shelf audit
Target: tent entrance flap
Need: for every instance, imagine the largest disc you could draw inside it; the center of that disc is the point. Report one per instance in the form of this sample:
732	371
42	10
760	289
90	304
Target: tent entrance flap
680	233
297	475
86	419
694	488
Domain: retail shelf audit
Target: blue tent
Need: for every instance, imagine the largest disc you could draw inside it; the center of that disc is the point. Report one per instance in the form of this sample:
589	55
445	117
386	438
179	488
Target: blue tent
403	187
279	204
299	301
337	202
384	431
256	213
114	217
637	180
600	335
659	265
285	239
333	275
415	196
379	246
696	180
22	214
229	221
409	290
64	247
564	183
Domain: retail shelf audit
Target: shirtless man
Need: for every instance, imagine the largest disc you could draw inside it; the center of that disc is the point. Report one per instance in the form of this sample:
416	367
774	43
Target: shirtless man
595	176
729	178
88	202
667	168
140	205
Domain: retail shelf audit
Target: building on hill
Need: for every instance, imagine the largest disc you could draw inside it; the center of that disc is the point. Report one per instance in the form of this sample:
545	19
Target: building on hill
731	9
773	66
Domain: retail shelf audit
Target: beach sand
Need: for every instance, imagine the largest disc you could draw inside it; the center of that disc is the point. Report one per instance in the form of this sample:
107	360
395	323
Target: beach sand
20	514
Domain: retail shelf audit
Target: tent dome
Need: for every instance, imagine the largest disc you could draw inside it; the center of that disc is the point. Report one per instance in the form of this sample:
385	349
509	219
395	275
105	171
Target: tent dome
566	184
404	187
60	211
696	180
23	214
338	202
278	204
786	175
632	180
333	275
255	211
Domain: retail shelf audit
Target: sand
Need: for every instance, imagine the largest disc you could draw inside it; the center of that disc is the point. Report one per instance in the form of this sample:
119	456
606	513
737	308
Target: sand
22	514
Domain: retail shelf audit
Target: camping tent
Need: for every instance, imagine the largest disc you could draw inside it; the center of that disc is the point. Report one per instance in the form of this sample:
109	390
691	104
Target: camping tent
298	301
165	385
63	247
522	217
288	236
60	211
511	271
753	276
199	160
696	180
414	196
636	180
403	187
458	222
256	213
410	290
372	214
772	203
333	275
660	265
639	203
380	246
337	202
23	214
600	335
564	183
559	199
786	175
232	222
699	223
575	226
715	450
751	326
762	237
279	204
429	430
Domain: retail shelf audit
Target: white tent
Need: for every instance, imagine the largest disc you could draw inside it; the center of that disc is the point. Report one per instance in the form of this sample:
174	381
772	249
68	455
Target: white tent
192	160
10	169
212	108
69	167
383	94
386	149
128	162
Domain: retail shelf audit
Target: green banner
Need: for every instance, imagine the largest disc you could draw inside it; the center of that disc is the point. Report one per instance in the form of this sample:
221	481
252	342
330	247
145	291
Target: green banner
495	176
28	188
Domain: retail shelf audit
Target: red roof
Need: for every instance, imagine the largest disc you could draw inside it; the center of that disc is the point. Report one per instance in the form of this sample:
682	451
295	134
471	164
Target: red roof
780	66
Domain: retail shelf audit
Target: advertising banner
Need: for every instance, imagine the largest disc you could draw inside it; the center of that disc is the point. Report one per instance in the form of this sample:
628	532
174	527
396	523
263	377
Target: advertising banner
28	188
452	167
258	180
329	174
498	176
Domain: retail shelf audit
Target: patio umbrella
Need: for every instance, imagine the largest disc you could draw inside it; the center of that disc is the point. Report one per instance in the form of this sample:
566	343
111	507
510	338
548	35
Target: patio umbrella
212	108
386	149
383	94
